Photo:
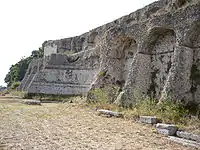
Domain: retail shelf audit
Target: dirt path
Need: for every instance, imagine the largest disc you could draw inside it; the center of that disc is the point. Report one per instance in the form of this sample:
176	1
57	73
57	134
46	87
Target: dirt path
72	126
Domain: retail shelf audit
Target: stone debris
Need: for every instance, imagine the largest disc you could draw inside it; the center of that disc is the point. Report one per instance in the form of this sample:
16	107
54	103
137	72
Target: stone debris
166	129
184	142
31	102
188	136
109	113
148	119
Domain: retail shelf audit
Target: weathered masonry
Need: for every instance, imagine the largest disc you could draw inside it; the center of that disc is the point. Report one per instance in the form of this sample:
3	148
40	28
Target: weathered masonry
154	51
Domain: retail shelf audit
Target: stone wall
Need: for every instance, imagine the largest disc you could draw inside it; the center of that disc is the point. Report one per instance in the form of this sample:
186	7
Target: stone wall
34	67
153	51
65	75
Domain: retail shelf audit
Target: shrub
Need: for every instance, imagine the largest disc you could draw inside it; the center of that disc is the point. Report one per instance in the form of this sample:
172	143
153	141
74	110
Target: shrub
168	111
103	97
15	85
106	94
146	106
172	111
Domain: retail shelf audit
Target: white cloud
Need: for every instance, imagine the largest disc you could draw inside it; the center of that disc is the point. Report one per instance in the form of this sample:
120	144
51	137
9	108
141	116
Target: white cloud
26	24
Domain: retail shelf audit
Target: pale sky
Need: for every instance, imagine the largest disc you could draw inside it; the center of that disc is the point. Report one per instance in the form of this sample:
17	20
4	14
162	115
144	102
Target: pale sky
26	24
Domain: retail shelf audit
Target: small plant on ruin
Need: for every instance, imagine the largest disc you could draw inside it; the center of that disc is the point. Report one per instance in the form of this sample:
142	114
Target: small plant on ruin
168	111
69	52
103	98
172	111
102	73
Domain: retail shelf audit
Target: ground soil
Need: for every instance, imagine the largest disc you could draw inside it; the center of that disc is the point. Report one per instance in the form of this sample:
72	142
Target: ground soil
70	126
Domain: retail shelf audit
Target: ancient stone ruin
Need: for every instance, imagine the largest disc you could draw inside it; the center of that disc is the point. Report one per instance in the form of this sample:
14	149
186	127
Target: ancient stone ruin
154	51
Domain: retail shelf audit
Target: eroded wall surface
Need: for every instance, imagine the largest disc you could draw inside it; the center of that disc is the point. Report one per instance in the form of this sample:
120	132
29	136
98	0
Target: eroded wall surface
153	51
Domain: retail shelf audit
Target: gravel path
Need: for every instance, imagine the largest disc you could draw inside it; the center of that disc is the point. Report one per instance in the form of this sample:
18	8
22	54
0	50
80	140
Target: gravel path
73	127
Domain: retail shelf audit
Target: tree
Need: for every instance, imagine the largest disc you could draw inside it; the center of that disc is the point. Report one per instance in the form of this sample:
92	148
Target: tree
17	71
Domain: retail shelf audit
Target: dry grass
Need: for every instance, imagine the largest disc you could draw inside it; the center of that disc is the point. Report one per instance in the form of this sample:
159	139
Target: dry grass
15	93
73	126
167	112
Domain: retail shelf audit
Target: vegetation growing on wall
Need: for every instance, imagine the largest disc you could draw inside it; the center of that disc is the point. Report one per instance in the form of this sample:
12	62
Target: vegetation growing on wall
105	95
17	71
15	85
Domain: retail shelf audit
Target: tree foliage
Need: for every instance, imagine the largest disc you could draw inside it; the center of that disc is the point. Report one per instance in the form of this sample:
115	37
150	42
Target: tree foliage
17	71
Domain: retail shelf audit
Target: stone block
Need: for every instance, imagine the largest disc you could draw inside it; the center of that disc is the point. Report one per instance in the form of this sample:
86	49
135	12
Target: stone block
148	119
188	136
31	102
166	129
184	142
109	113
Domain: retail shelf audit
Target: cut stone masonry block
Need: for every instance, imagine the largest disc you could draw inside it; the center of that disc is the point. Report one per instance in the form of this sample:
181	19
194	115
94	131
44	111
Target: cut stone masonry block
166	129
148	119
109	113
184	142
31	102
188	136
